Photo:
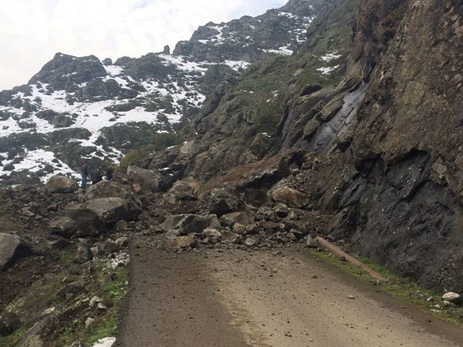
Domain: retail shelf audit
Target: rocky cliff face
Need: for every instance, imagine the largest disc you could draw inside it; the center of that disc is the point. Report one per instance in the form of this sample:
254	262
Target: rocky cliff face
403	203
393	126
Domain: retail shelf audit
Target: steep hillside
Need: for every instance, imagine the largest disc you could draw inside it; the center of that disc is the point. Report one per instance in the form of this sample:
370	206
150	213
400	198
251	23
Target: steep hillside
79	108
241	121
385	128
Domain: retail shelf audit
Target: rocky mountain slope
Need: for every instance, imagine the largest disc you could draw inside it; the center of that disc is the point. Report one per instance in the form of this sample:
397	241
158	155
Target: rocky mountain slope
355	136
79	108
384	132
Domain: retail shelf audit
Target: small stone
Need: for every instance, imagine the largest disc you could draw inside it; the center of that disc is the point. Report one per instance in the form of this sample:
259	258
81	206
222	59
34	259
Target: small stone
250	242
314	276
352	297
110	246
121	225
311	242
186	241
122	241
102	306
89	321
452	297
83	254
430	299
48	311
95	300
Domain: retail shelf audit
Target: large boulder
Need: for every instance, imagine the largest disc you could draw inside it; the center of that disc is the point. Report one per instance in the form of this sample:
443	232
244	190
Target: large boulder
107	189
61	184
63	226
223	201
183	190
143	181
87	222
110	210
11	247
289	196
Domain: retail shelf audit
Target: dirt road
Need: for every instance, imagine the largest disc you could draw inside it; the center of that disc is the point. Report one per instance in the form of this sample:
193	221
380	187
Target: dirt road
264	298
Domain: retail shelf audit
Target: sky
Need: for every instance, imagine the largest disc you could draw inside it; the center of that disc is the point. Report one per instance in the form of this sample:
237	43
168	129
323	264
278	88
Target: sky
32	31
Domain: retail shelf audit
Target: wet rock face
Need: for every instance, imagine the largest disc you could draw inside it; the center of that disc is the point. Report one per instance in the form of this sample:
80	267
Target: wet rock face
403	205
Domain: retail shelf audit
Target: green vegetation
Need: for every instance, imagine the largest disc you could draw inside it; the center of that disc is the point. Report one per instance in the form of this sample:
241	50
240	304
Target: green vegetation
160	142
401	288
13	339
111	286
112	291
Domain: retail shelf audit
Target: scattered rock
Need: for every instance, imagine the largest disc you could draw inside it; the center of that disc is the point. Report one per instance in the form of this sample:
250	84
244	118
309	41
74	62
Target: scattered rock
143	181
95	300
210	232
61	184
250	242
110	246
71	288
11	248
452	297
121	225
63	226
188	241
83	254
89	322
289	196
122	241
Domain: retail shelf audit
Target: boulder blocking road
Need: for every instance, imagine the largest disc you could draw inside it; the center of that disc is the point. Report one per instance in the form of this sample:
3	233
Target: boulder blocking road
278	297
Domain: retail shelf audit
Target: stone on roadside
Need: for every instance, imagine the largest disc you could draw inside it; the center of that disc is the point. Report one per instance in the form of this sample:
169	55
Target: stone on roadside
83	254
121	225
230	237
210	232
250	242
122	241
186	241
94	301
110	246
452	297
89	321
311	242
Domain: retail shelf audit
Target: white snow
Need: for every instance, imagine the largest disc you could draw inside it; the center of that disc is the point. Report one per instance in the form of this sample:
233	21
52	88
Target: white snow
183	64
237	64
113	70
331	56
36	160
282	51
327	70
106	342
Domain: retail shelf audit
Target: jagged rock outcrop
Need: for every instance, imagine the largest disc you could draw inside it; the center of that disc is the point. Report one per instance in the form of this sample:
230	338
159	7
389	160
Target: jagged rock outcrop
11	248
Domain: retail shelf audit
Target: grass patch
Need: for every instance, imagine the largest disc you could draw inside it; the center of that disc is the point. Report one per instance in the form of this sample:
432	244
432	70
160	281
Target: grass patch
111	286
13	339
159	142
112	291
402	288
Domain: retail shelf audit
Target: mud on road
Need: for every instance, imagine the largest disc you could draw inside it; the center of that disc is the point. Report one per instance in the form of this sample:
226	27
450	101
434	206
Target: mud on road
272	297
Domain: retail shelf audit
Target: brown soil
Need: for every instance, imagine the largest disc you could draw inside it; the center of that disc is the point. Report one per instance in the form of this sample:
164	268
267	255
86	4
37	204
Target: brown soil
263	298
